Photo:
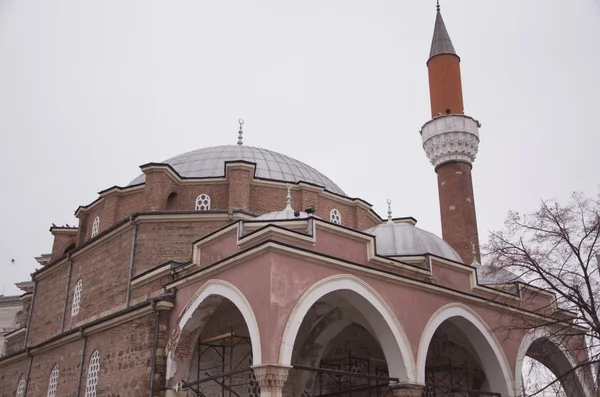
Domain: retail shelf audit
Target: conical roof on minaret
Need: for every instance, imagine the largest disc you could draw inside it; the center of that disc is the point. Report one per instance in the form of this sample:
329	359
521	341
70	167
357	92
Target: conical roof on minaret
441	43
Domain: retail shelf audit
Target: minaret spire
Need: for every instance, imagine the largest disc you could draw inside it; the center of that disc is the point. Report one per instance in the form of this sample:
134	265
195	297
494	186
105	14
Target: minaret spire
451	142
441	43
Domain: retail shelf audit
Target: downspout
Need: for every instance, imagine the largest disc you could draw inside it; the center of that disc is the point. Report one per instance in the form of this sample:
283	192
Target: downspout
64	313
154	347
80	376
28	373
30	313
131	259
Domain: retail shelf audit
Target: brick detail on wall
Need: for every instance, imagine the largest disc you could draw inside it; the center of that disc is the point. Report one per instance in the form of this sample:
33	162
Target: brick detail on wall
239	178
445	86
457	209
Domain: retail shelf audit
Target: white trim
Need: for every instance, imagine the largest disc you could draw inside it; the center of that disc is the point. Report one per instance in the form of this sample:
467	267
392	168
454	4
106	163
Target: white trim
228	291
372	306
95	227
203	202
493	361
527	341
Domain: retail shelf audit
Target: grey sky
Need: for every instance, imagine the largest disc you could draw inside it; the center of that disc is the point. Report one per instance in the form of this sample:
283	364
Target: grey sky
91	90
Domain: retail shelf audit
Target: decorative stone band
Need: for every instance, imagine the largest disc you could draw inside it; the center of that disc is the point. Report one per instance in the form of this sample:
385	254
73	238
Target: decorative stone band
271	376
454	137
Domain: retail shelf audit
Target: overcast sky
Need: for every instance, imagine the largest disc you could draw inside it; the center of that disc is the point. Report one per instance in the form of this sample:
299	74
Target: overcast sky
89	91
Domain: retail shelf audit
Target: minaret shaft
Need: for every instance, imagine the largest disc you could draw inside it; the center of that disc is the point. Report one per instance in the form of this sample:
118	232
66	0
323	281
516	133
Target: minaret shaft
445	85
451	142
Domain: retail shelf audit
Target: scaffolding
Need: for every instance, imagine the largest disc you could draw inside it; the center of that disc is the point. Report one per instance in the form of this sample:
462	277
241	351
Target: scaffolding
226	372
451	380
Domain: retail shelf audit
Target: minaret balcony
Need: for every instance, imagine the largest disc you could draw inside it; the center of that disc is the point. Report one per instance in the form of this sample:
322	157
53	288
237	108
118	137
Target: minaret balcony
453	137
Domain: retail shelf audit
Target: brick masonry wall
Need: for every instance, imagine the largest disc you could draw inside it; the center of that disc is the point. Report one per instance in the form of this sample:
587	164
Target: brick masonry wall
10	375
104	272
239	187
457	208
48	305
61	243
185	197
160	242
68	363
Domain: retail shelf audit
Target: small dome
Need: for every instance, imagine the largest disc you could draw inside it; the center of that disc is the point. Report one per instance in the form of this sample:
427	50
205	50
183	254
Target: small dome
488	275
282	215
404	238
210	162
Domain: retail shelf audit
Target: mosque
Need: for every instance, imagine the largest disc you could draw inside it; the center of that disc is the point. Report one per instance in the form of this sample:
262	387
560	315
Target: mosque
237	271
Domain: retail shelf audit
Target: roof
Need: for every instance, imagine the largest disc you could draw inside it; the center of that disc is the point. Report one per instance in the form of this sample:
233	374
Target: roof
404	238
441	43
490	275
283	215
210	162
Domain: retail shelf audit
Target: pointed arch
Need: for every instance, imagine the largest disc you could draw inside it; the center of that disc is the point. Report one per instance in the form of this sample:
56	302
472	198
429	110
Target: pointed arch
376	312
213	288
561	362
489	350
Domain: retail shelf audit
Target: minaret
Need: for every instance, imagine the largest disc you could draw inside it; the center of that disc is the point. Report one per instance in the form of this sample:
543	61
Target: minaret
451	140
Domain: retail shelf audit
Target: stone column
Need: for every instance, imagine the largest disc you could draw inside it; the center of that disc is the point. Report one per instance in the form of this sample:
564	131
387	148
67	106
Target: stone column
271	378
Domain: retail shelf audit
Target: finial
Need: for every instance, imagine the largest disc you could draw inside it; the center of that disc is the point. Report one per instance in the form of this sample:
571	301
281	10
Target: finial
288	199
438	5
240	141
389	211
475	263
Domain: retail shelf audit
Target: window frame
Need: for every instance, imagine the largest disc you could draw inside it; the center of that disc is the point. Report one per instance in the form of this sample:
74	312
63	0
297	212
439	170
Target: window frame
53	381
95	227
93	374
335	216
203	202
76	303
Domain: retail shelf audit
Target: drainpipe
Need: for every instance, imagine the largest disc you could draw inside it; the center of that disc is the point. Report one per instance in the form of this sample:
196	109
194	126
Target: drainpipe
64	313
131	259
153	364
80	376
30	313
28	373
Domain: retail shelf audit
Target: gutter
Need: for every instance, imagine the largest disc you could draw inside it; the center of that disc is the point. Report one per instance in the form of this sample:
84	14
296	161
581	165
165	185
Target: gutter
28	373
132	258
80	376
154	348
64	313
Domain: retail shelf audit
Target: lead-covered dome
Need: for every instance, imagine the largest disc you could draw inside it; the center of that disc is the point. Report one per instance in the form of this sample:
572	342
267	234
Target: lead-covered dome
210	162
404	238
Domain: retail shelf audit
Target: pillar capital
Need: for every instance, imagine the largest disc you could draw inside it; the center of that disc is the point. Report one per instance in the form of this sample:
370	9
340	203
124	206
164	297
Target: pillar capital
271	378
408	390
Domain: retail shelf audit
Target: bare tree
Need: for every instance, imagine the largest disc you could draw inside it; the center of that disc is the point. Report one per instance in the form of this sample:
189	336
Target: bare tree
555	249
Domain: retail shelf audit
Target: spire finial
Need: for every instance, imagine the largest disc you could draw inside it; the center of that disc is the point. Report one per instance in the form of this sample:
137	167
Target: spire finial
240	141
389	211
474	263
438	5
288	199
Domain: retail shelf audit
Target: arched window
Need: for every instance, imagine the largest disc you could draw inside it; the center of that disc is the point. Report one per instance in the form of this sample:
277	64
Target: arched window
21	387
53	383
203	202
92	376
335	217
96	226
76	298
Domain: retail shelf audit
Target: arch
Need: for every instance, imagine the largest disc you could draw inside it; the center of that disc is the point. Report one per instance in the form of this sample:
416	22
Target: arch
70	248
95	226
21	386
53	382
372	306
92	374
226	290
565	362
490	353
76	298
171	201
203	202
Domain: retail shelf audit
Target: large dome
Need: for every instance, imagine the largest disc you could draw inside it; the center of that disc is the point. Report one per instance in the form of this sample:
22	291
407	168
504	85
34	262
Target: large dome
210	162
403	238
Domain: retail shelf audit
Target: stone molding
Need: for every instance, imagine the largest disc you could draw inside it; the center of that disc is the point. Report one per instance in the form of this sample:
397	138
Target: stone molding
271	376
408	390
451	138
